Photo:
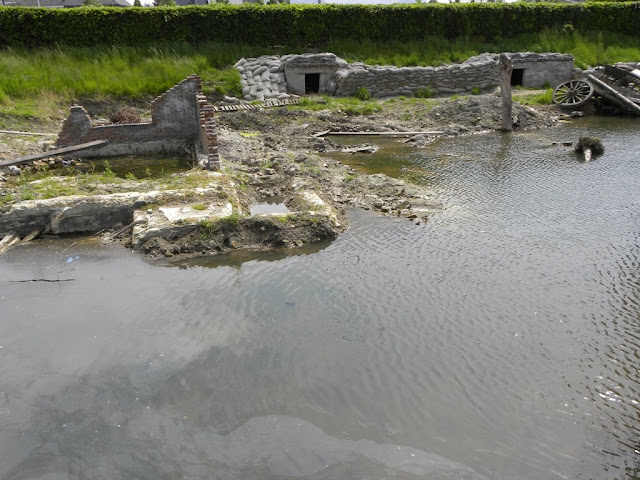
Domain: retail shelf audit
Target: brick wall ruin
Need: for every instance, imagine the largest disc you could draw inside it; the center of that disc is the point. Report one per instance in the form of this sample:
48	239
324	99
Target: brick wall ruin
180	119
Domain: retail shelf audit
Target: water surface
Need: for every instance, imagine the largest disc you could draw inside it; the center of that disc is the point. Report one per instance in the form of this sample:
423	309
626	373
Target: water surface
499	340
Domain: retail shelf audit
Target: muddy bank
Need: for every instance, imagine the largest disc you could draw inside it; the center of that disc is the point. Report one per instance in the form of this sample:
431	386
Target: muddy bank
265	153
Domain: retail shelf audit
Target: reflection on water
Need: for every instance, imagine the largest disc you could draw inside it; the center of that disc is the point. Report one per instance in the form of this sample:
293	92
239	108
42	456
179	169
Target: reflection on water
269	205
499	340
236	259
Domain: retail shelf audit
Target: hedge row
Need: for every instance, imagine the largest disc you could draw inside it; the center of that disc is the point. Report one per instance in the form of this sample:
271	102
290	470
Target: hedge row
304	24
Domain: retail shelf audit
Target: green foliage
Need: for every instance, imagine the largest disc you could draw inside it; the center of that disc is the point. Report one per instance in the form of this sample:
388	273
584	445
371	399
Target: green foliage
108	173
475	91
165	3
75	72
137	3
423	92
91	3
534	97
362	93
208	228
296	25
199	206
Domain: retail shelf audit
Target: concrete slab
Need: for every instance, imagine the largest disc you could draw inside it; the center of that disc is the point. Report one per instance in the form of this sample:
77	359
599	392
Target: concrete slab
187	212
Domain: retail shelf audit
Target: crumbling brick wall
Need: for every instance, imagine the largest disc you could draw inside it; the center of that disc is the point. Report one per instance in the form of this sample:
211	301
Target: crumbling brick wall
177	124
207	147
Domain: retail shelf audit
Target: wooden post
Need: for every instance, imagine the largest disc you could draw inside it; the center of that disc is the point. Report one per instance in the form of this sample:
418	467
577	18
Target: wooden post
506	67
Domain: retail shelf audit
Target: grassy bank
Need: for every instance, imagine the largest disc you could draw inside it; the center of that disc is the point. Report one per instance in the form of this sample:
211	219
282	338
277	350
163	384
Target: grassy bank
40	82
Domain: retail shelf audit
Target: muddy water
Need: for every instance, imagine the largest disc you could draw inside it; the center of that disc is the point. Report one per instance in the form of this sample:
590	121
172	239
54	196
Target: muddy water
499	340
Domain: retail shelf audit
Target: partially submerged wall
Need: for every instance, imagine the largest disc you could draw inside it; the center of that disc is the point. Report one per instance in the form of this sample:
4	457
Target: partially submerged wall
180	118
278	77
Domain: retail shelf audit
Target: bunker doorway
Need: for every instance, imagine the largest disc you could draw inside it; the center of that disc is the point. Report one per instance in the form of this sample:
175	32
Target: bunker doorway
311	83
517	76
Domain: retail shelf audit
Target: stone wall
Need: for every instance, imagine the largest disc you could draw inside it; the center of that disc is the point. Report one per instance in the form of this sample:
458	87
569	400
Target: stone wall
180	118
269	77
478	72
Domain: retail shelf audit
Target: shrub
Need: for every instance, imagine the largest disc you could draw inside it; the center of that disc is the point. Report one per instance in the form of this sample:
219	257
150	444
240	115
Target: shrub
306	24
423	92
362	93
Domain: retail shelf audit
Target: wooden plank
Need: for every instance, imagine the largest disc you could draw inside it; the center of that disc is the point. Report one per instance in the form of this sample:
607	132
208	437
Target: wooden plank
33	235
12	132
52	153
387	134
617	96
321	134
8	241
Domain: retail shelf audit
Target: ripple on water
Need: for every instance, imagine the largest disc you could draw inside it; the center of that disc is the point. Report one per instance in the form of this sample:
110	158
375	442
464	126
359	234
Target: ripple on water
500	339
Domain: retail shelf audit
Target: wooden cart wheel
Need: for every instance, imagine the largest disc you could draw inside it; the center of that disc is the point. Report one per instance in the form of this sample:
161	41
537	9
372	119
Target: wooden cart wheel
572	94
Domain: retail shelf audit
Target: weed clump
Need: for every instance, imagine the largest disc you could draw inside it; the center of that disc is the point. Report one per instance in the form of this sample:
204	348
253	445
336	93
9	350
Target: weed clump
362	93
424	92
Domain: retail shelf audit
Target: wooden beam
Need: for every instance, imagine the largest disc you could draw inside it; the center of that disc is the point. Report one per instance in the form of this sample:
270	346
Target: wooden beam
506	69
52	153
12	132
619	98
387	134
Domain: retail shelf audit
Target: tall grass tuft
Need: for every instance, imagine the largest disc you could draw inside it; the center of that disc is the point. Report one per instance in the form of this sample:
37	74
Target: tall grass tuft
118	71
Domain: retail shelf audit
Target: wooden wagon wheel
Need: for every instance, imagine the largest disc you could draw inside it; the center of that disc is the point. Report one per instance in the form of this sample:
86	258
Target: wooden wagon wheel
572	94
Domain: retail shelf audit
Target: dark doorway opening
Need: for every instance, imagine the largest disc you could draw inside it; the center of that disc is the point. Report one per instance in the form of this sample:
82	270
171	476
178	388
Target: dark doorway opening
311	82
516	76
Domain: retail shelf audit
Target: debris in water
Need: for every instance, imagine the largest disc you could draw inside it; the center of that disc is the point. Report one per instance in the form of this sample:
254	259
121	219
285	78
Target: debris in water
589	146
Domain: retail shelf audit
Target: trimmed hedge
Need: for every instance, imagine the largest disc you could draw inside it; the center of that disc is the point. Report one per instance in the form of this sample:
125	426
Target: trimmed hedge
290	25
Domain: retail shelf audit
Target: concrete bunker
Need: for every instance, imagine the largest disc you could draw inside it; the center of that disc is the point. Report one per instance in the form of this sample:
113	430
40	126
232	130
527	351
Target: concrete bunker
311	73
181	121
517	75
535	70
273	77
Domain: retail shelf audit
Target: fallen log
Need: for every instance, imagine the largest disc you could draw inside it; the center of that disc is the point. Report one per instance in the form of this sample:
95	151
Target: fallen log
52	153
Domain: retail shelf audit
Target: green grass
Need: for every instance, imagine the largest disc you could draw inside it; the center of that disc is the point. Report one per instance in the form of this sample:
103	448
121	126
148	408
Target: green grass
41	83
348	105
124	72
589	49
207	228
534	97
121	71
44	183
